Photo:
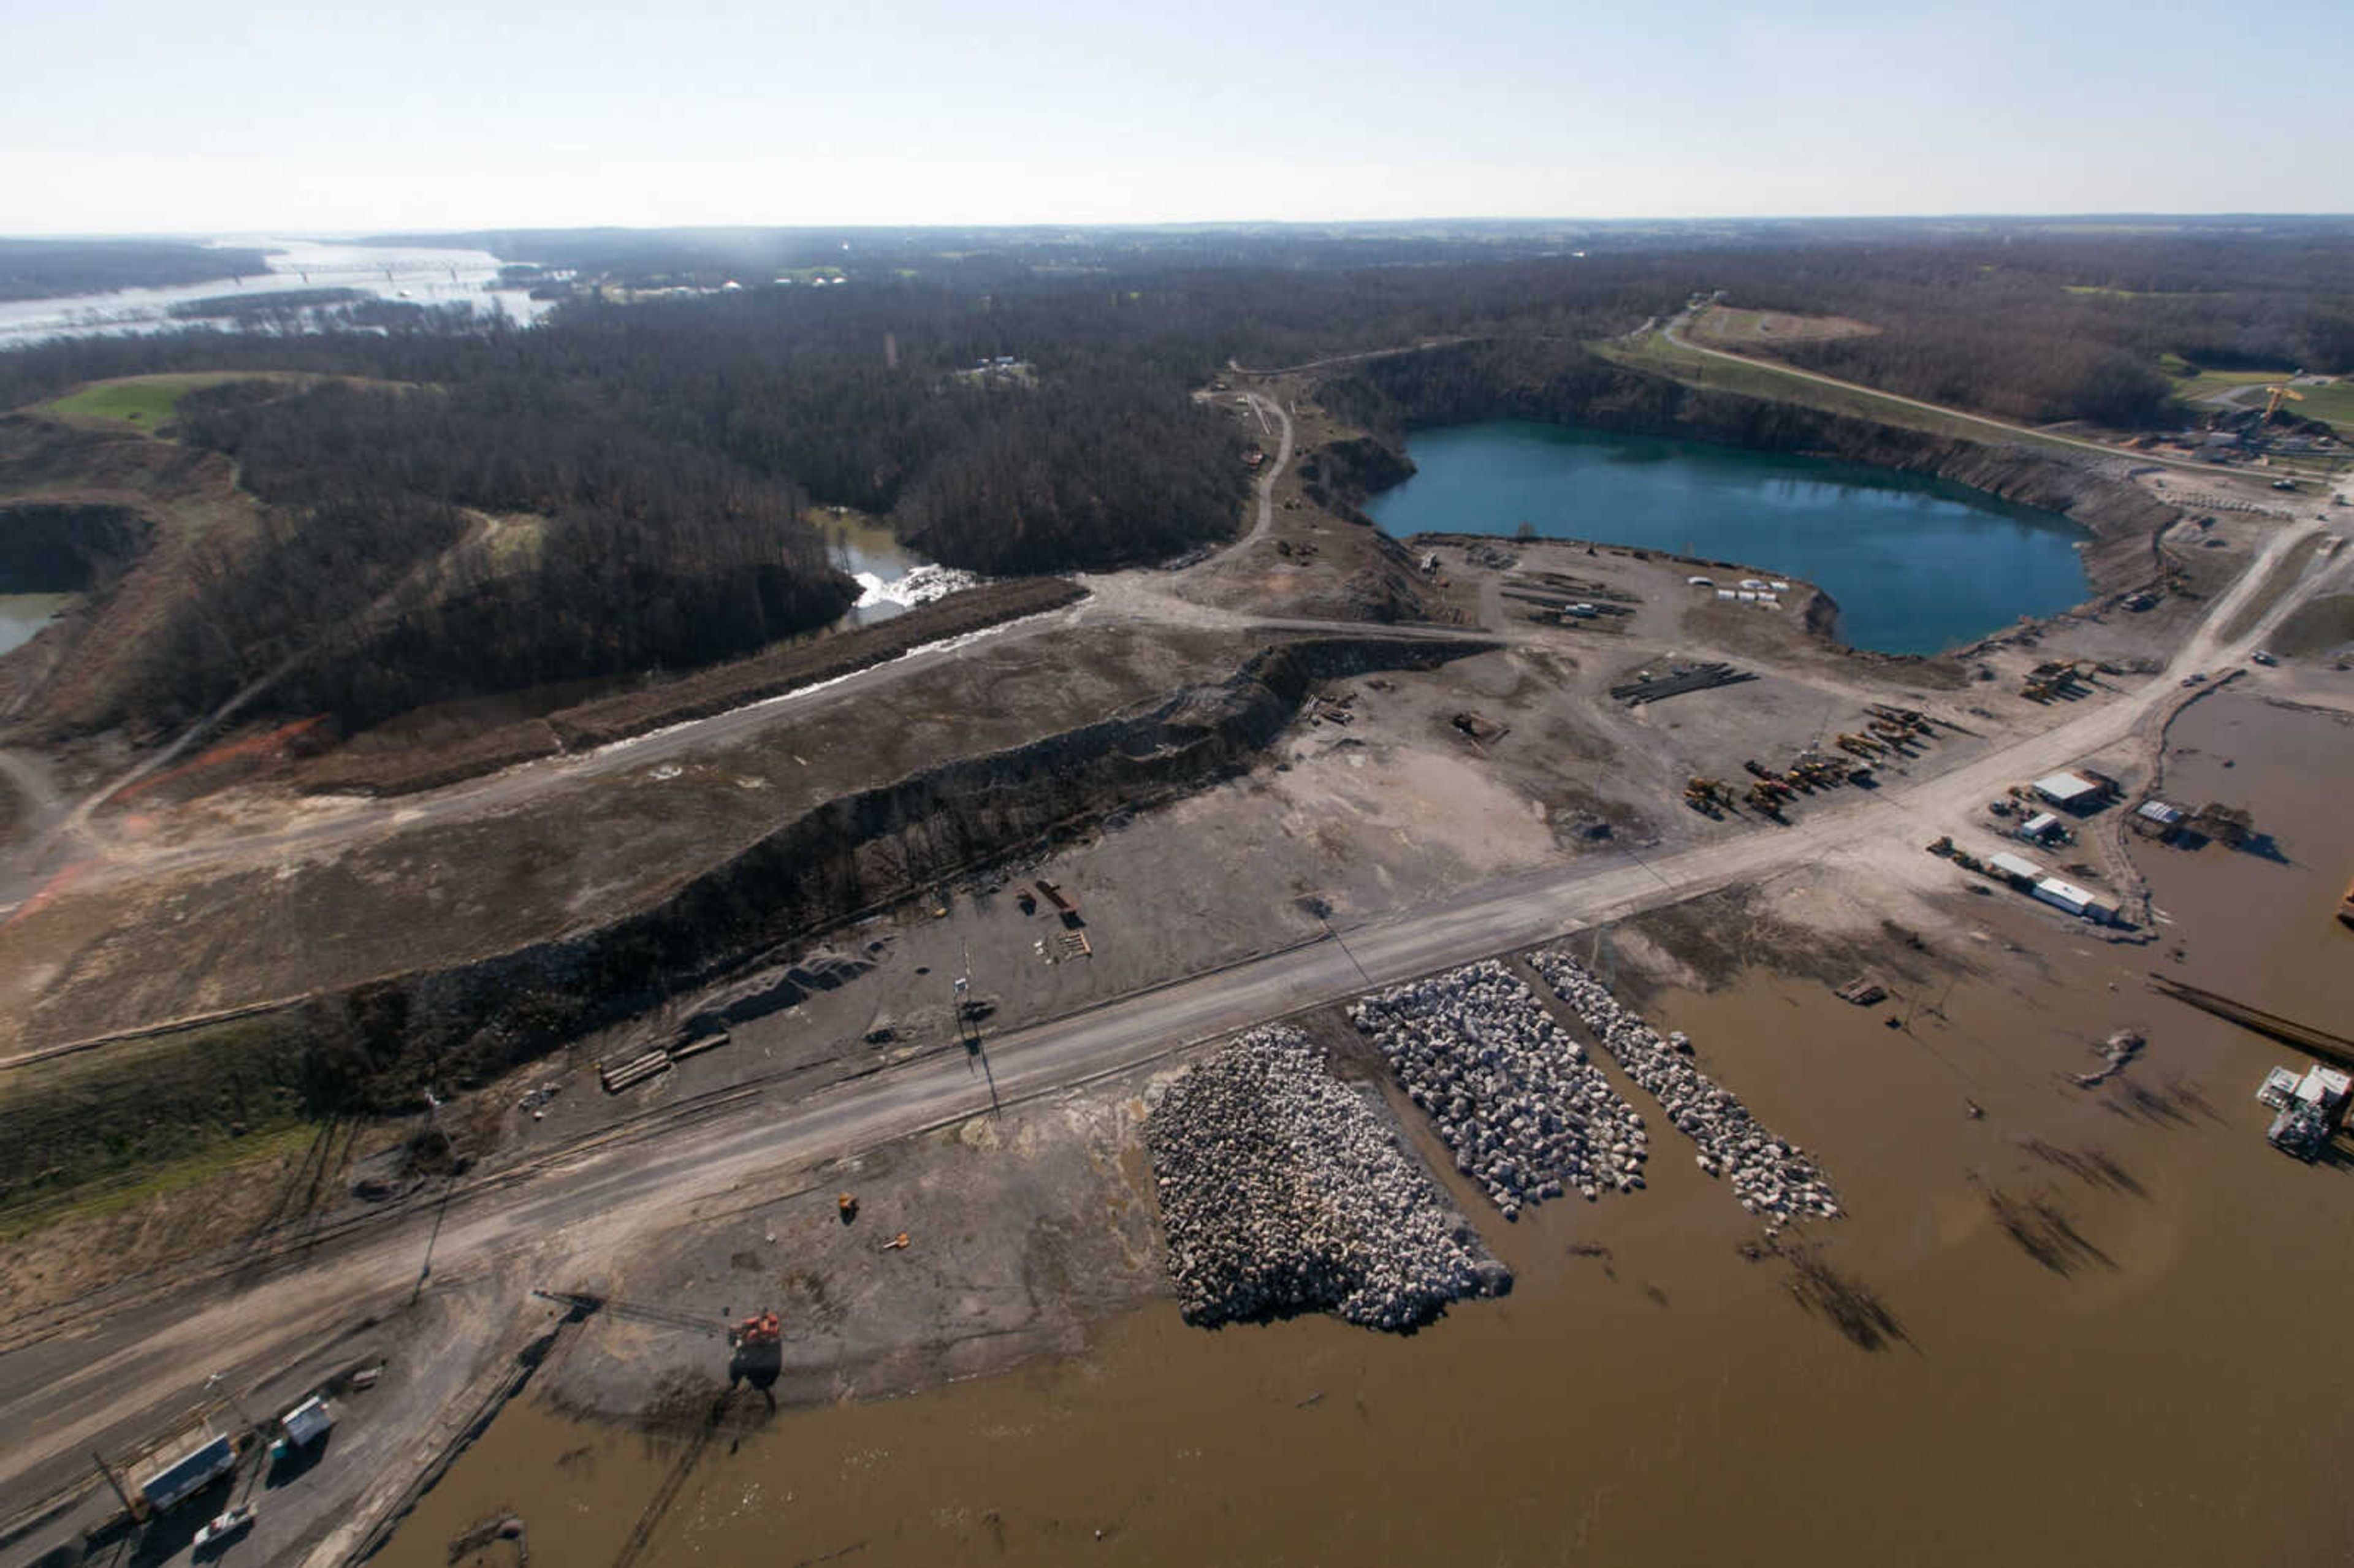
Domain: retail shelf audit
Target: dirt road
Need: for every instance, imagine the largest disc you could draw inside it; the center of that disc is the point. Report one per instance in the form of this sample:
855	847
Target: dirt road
64	835
1673	333
113	1375
1267	405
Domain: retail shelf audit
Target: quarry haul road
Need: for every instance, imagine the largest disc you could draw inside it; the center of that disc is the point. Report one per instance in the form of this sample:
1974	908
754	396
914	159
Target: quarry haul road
108	1374
1672	332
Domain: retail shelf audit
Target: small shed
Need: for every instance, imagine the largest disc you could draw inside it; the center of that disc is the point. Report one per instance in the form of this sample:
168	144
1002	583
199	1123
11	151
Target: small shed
2068	790
2040	828
2015	868
2076	900
308	1422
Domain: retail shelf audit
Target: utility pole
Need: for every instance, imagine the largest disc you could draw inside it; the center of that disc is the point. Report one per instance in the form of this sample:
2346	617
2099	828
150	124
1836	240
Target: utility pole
113	1480
962	991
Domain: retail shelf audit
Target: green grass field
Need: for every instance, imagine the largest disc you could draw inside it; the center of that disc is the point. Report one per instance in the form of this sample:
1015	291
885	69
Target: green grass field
139	402
106	1195
2207	382
2332	404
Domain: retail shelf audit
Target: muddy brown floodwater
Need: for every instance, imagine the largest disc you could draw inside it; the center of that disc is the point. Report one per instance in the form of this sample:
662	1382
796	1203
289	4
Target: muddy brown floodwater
2093	1326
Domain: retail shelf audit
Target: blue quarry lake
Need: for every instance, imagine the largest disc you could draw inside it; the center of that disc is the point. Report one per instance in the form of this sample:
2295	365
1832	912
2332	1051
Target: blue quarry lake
1917	565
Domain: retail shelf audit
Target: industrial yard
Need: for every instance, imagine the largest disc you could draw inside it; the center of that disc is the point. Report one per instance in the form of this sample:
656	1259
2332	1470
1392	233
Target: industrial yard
1586	959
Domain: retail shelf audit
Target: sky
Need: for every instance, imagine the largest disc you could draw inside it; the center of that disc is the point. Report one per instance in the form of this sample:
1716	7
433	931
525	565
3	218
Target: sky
158	116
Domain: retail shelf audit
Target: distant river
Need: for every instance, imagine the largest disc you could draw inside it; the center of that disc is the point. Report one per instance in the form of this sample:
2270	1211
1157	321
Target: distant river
1917	565
417	274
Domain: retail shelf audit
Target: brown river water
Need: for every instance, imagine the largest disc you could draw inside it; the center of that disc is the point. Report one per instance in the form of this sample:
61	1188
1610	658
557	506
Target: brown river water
2154	1373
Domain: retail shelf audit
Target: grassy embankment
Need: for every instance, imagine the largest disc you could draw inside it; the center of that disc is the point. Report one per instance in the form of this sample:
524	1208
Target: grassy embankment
89	1133
1655	353
134	402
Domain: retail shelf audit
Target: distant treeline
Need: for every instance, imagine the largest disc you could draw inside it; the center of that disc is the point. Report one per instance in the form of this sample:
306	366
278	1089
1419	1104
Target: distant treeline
274	303
2067	327
387	578
47	269
671	447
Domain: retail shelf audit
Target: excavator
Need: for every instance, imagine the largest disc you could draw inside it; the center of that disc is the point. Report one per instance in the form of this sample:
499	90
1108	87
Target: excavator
761	1329
2276	396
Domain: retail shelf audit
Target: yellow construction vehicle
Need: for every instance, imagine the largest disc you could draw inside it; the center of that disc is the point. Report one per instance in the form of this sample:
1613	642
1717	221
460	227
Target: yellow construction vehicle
2276	396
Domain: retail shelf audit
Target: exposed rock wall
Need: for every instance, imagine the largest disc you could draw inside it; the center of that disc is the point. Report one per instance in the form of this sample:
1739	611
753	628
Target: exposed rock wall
851	855
66	548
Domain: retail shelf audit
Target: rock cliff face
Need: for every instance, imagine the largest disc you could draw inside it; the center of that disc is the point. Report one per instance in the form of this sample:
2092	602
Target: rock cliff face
846	858
66	548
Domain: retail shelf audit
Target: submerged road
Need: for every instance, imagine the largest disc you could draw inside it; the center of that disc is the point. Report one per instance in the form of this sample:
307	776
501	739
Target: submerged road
110	1376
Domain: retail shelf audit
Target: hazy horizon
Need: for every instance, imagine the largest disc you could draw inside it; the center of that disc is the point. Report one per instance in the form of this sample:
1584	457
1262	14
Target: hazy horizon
301	121
350	234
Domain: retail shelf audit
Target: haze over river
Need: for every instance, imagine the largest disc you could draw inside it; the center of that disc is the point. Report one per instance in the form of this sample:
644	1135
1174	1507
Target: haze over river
412	274
1917	565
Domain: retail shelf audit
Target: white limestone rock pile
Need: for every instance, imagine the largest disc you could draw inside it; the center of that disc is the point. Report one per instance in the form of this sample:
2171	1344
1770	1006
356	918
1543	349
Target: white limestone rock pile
1526	1115
1772	1177
1283	1191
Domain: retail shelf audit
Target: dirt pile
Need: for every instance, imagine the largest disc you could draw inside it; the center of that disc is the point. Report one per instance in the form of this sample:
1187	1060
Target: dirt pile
1284	1191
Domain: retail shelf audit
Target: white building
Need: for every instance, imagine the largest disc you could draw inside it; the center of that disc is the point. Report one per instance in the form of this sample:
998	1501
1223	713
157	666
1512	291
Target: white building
2016	867
2067	791
2076	900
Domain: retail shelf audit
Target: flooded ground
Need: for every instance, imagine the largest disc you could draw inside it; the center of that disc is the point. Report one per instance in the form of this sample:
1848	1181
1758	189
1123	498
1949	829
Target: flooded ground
892	578
22	615
2089	1326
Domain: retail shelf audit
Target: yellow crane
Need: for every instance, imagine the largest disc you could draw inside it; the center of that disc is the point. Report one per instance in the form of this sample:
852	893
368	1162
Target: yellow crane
2276	396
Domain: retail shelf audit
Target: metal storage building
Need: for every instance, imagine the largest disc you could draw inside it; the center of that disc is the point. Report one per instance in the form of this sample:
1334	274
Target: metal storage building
188	1474
308	1422
2076	900
2016	867
2067	789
